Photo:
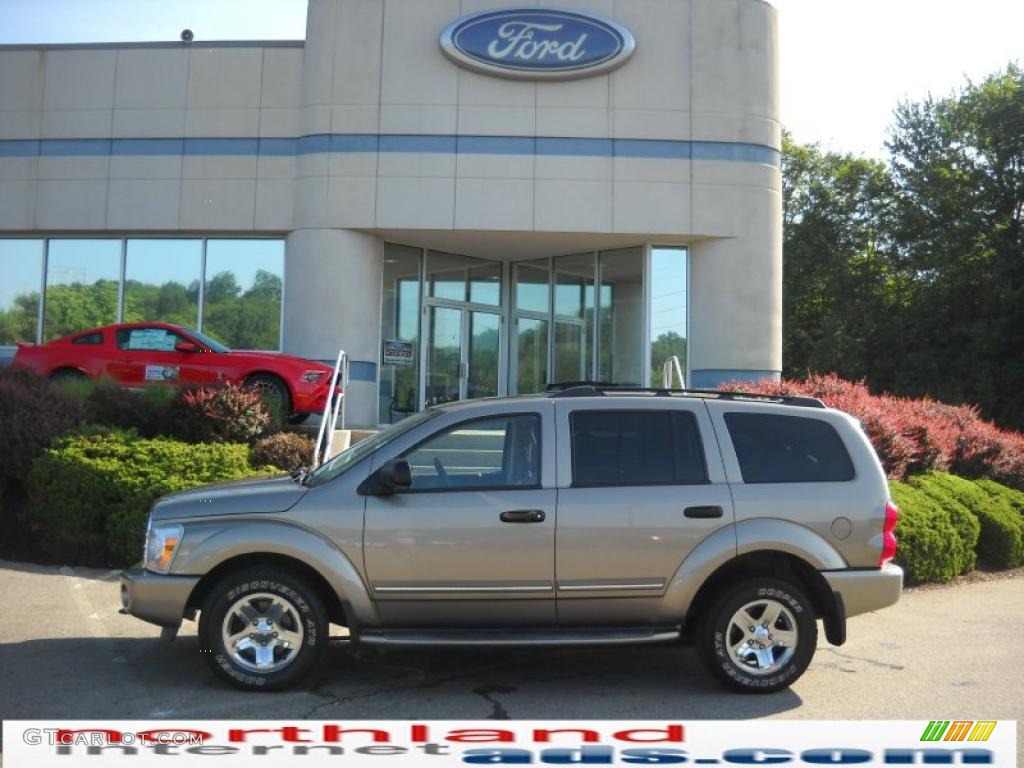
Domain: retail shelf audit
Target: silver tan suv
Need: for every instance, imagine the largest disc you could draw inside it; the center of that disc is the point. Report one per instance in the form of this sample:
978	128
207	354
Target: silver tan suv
589	515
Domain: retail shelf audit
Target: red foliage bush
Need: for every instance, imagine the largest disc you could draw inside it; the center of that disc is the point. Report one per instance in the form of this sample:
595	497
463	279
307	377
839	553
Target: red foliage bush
227	414
914	435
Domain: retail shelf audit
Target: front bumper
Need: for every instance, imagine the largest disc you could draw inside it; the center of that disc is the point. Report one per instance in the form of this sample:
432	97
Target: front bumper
311	398
157	598
867	589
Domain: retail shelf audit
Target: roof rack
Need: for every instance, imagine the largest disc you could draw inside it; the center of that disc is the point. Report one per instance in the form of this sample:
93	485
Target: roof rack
601	388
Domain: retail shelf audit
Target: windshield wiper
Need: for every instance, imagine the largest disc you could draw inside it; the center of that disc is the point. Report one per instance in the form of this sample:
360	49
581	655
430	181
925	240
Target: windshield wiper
300	475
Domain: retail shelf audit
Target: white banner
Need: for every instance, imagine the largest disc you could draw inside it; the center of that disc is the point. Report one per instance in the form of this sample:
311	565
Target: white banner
274	743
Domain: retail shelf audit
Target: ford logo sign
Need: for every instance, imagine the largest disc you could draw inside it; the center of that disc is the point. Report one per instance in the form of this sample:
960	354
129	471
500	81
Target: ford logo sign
537	44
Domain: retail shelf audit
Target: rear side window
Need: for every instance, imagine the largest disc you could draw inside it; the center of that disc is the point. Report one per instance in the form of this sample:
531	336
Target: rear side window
636	448
88	338
788	449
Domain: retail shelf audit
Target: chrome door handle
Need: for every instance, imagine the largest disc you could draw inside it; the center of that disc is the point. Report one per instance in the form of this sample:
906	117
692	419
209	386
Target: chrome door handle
703	513
523	516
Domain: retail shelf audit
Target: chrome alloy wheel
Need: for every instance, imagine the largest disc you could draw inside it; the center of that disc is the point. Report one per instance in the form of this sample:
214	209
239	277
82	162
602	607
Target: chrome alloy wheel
762	636
262	632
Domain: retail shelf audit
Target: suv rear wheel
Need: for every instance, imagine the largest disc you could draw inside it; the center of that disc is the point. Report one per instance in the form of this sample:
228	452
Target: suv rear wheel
263	629
759	637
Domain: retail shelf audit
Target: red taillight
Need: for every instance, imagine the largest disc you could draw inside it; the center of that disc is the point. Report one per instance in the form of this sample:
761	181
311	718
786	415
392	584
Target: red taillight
892	517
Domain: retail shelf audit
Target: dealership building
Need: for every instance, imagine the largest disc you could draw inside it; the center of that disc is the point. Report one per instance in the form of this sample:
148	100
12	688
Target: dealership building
469	198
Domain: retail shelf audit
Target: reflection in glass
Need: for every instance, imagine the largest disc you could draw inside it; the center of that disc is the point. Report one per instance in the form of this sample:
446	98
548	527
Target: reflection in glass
570	355
21	266
532	288
445	355
400	322
531	349
242	298
485	284
82	277
620	313
463	278
668	309
482	380
161	281
574	300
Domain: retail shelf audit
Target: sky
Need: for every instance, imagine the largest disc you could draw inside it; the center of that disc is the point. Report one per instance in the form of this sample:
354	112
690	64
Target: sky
845	64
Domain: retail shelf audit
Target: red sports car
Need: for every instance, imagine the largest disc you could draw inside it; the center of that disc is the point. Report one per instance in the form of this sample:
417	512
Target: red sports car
136	354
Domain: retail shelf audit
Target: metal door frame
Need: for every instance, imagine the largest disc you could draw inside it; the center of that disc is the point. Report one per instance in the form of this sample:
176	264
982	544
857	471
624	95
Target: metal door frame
465	308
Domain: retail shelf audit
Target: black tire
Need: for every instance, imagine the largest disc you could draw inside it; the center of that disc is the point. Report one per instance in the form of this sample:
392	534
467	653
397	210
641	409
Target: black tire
298	418
65	375
274	389
716	633
307	615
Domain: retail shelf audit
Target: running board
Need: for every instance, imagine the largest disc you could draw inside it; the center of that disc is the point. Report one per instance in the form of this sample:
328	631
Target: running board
512	637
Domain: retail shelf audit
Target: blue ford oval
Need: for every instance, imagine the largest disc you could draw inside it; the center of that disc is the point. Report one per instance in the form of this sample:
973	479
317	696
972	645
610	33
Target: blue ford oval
531	43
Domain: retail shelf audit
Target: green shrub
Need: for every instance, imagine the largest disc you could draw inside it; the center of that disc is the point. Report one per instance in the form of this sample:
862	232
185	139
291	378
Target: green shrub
145	411
1001	542
90	494
285	450
964	521
929	547
228	414
1011	496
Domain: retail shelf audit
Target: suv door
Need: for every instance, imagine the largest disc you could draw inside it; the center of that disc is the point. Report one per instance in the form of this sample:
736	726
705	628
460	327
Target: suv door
471	542
643	486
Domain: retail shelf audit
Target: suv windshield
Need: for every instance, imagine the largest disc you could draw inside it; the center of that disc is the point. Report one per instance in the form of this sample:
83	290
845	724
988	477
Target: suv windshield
331	469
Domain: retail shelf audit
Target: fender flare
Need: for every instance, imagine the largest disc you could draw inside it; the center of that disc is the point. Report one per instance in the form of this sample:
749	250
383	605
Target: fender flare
746	537
209	544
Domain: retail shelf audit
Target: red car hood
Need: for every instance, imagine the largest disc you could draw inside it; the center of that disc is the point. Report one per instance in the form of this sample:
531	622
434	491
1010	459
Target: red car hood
301	362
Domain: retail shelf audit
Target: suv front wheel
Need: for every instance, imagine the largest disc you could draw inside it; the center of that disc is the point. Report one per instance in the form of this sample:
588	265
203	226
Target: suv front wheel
759	637
263	629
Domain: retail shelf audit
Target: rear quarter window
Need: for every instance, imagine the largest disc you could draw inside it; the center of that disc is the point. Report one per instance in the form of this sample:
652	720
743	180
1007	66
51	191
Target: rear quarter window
88	338
788	449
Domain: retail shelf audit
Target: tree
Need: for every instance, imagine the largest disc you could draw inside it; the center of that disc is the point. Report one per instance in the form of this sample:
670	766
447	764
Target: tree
836	277
958	167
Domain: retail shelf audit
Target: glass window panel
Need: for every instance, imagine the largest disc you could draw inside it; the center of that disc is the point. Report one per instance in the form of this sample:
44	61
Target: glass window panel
242	299
668	310
788	449
636	448
574	298
82	277
574	284
531	349
570	355
620	312
444	366
21	267
446	275
532	285
161	281
482	377
485	283
486	453
400	332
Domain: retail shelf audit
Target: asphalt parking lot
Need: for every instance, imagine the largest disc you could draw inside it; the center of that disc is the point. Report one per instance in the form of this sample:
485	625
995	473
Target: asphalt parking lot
941	653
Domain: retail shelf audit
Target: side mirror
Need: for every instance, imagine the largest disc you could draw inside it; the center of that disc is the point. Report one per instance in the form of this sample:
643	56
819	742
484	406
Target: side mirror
393	475
186	346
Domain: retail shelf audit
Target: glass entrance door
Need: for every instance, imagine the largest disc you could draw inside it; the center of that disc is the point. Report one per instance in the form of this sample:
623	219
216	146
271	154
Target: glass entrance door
463	354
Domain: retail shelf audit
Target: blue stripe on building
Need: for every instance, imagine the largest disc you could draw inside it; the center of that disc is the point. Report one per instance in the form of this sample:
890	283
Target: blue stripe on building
356	143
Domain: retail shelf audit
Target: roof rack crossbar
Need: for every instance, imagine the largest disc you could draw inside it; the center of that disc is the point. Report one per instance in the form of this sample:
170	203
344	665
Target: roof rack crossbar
600	388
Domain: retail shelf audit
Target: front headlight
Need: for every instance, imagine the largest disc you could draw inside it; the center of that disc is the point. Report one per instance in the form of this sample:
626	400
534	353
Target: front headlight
312	376
161	543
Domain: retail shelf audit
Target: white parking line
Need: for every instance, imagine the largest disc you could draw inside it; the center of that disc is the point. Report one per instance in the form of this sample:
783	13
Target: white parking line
92	618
